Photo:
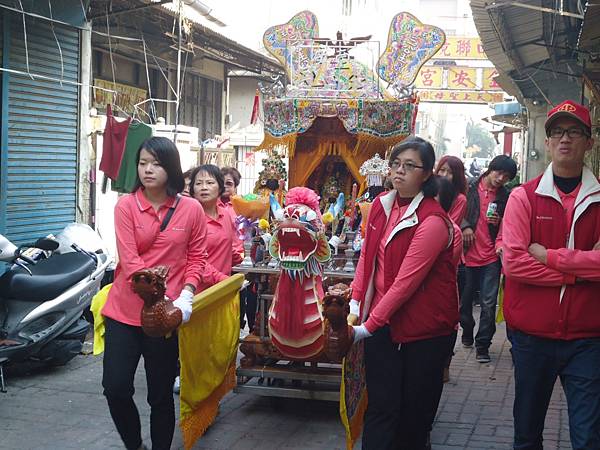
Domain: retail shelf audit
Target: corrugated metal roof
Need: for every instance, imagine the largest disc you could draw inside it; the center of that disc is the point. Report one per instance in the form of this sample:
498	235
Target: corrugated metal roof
590	36
527	46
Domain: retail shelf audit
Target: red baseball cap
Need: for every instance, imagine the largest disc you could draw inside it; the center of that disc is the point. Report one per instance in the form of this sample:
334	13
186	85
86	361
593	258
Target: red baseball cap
572	110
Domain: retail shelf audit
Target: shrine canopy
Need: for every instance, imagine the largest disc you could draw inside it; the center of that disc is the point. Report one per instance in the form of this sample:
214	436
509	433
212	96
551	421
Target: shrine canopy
366	89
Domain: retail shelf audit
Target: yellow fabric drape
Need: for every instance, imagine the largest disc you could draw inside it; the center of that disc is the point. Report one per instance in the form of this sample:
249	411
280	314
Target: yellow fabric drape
207	352
98	303
302	166
271	142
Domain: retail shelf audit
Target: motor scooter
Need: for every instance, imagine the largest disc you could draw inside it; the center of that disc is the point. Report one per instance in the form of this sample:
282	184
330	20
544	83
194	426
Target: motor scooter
44	292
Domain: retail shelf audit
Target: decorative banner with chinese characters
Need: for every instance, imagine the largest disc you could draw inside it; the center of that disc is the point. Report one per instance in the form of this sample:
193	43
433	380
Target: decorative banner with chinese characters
457	47
430	77
462	78
410	44
488	81
452	96
457	77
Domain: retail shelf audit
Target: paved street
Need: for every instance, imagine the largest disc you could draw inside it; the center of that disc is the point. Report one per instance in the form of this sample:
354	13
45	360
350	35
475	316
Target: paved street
63	408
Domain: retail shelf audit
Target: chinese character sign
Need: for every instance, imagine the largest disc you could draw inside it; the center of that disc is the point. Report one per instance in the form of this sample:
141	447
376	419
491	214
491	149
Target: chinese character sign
454	96
462	78
489	80
430	77
457	47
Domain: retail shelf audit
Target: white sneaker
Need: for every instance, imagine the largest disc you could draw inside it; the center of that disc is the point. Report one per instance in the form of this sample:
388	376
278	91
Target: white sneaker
176	385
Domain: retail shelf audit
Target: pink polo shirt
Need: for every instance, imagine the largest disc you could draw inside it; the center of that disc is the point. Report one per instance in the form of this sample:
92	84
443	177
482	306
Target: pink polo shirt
238	243
482	252
141	245
458	210
228	208
222	247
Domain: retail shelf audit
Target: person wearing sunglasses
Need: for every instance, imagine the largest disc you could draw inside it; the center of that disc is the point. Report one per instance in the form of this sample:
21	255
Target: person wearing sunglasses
551	235
405	293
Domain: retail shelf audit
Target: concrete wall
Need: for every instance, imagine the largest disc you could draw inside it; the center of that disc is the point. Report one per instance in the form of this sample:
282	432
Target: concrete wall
536	159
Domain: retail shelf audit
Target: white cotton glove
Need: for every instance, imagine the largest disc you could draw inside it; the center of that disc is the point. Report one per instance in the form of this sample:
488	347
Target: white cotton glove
354	307
245	284
352	318
360	332
184	303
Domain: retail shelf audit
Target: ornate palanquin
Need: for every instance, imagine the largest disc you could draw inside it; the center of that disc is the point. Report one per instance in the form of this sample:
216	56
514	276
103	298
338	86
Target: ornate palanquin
305	128
334	106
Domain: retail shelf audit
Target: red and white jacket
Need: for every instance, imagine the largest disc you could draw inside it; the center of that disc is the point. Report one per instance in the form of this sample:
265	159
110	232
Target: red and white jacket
427	306
559	299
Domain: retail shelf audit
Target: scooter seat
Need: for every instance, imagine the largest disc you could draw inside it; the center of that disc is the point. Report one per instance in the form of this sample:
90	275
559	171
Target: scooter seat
51	277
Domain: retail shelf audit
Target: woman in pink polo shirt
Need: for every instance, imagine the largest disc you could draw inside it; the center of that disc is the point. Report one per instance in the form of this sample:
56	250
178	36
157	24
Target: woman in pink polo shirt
405	293
223	247
453	169
146	239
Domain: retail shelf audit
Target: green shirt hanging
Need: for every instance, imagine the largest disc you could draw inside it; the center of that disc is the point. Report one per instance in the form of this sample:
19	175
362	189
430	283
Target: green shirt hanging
138	133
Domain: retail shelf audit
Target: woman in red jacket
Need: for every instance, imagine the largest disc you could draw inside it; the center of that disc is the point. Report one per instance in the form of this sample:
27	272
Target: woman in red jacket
405	292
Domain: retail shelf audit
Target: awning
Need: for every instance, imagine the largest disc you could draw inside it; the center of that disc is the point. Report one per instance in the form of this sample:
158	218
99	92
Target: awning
533	46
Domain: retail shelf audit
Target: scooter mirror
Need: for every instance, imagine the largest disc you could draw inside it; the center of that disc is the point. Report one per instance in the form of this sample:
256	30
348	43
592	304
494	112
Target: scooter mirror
46	244
7	249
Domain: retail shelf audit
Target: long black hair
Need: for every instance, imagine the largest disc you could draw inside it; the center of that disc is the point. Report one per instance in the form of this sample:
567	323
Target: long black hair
502	163
167	155
427	155
213	171
446	192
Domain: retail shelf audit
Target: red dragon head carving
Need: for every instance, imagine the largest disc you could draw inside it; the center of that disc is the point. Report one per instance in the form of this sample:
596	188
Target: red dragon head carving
299	240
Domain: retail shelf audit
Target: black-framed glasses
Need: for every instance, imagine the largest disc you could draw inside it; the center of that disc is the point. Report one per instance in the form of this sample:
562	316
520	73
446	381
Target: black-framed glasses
573	133
408	166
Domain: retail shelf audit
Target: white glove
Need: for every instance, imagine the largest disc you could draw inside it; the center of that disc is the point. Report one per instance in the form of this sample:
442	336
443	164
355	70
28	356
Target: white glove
360	332
184	303
245	284
354	307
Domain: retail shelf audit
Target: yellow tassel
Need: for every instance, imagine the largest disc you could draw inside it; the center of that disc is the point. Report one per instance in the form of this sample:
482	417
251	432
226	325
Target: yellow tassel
194	426
288	142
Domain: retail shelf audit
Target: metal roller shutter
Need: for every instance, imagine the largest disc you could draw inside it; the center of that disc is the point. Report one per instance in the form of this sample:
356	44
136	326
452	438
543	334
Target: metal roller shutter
41	161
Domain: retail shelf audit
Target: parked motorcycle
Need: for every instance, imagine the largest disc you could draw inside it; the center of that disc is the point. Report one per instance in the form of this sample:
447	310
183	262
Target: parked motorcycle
44	293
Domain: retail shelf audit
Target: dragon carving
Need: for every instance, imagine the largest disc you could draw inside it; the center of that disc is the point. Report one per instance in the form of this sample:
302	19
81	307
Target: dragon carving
159	316
303	323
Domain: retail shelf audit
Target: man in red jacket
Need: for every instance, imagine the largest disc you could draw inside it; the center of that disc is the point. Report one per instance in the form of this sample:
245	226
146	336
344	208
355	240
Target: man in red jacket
551	259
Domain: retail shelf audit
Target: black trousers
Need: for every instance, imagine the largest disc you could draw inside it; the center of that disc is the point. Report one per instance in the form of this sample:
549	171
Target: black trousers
123	346
404	387
248	303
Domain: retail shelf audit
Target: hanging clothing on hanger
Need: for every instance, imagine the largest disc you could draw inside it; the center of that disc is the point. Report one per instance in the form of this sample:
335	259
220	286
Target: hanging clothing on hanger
138	133
113	144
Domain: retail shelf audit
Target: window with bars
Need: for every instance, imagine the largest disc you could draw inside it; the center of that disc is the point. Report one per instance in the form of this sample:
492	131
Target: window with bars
201	108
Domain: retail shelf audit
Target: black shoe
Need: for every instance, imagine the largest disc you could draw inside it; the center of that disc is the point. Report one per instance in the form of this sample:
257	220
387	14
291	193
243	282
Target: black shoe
483	356
467	341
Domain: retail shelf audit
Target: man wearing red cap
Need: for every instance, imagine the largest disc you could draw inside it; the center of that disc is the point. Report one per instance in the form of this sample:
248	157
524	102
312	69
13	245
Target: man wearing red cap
551	235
